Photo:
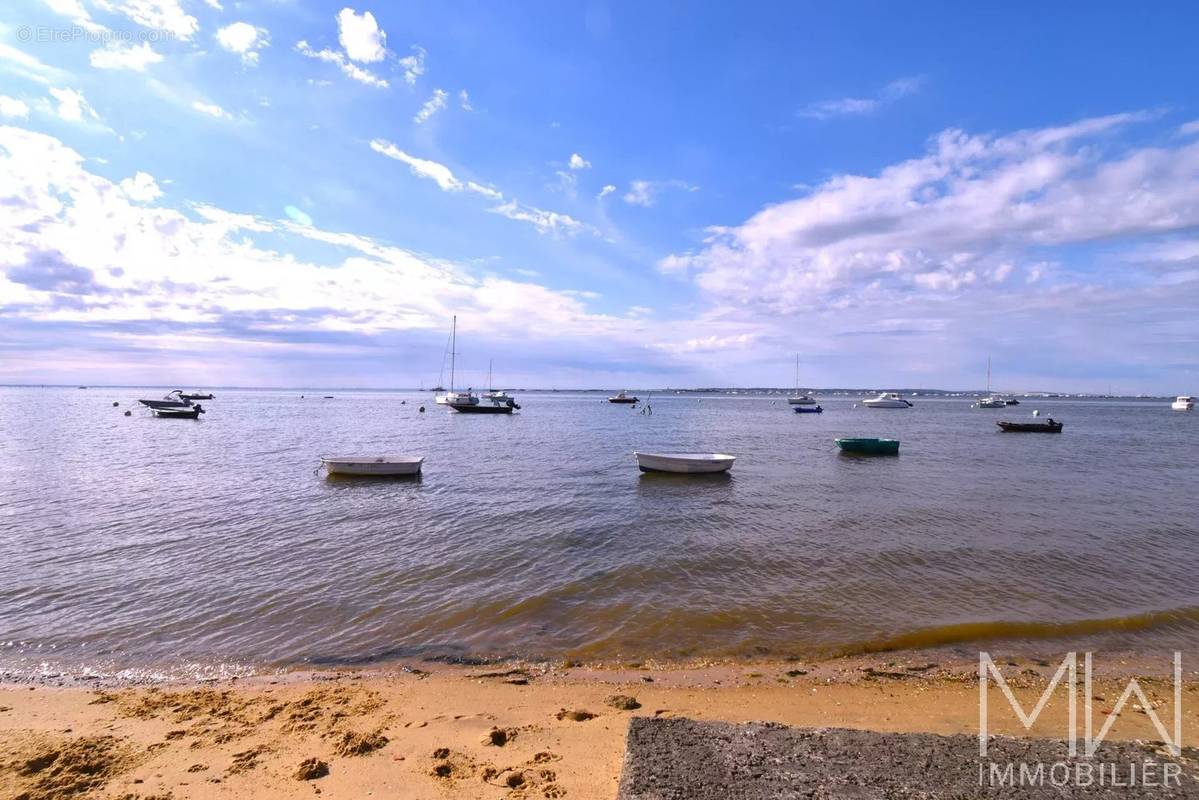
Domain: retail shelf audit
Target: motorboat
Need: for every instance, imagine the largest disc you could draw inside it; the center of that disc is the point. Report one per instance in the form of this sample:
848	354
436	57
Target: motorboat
379	466
486	407
1050	425
1183	403
622	397
805	409
180	412
869	447
689	463
173	399
197	396
887	400
1011	401
800	399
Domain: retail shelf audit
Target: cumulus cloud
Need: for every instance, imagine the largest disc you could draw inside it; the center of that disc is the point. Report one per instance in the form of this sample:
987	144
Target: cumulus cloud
13	108
243	39
75	11
211	109
414	66
435	103
645	193
167	16
73	106
141	188
578	162
349	69
971	207
604	192
360	36
115	55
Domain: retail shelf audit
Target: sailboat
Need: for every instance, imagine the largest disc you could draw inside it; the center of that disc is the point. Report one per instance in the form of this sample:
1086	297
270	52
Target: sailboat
990	401
495	396
797	398
453	398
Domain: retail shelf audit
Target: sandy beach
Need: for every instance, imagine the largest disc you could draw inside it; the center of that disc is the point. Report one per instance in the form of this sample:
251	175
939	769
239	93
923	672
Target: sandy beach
495	731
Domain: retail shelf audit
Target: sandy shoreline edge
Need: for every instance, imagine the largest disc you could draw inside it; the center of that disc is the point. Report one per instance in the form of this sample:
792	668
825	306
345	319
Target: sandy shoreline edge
502	730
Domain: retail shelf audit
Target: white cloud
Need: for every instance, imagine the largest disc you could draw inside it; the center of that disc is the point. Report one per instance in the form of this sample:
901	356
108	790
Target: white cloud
604	192
543	221
215	4
360	36
160	15
141	188
422	168
131	57
972	206
73	106
486	191
21	63
464	101
76	13
243	39
350	70
578	162
435	103
640	193
1189	128
211	109
413	65
12	107
861	106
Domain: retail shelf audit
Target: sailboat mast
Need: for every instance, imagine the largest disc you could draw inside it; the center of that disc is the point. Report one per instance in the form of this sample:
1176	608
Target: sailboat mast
489	386
797	373
453	349
988	376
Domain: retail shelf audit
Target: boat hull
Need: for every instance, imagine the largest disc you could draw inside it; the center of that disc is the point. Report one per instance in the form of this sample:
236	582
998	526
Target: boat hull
886	404
622	400
482	408
178	413
869	447
807	409
801	401
166	403
372	466
1031	427
685	463
1182	406
198	396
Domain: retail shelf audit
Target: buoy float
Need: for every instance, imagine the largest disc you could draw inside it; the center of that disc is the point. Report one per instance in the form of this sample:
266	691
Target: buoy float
422	409
129	413
115	404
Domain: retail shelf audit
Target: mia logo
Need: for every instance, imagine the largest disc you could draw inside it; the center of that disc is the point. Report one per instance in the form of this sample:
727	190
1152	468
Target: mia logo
1069	670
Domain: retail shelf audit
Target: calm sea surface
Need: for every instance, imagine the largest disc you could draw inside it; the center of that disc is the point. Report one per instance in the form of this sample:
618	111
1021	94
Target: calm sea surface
172	546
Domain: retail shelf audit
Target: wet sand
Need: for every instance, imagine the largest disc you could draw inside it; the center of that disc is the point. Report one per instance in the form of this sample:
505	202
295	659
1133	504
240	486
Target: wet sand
507	731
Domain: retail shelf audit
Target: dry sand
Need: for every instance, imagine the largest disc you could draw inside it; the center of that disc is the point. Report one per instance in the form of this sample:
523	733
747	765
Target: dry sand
515	731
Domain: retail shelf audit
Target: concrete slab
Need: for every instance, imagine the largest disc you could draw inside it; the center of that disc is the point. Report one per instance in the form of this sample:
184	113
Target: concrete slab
683	759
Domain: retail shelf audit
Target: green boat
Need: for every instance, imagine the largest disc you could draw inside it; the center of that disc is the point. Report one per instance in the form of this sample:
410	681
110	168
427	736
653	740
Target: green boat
869	447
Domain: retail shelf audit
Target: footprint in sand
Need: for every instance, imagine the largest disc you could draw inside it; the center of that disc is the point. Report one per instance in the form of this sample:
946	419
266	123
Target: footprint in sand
575	715
498	737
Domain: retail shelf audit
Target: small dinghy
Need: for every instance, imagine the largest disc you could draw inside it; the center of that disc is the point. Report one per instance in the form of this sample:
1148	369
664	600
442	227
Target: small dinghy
869	447
807	409
379	466
691	463
191	412
1048	426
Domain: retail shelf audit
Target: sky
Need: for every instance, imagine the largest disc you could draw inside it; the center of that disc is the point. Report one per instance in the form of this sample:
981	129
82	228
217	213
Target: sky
605	194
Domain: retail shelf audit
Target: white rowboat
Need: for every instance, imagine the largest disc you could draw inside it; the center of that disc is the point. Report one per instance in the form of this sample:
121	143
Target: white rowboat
684	462
372	465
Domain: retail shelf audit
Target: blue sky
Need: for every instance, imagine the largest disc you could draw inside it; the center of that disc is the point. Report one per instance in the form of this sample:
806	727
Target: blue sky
607	194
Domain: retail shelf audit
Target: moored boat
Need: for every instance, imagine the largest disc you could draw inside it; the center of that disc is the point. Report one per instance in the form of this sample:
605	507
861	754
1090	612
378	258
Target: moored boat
171	400
379	466
453	398
689	463
197	396
805	409
887	400
488	407
190	412
799	398
622	397
1183	403
869	447
1050	425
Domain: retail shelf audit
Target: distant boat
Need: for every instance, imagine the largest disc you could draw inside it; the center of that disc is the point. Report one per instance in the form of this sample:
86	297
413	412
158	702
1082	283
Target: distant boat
192	412
453	398
622	397
380	466
1048	426
807	409
800	399
869	447
486	407
1183	403
198	396
990	401
495	396
887	400
1011	401
690	463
